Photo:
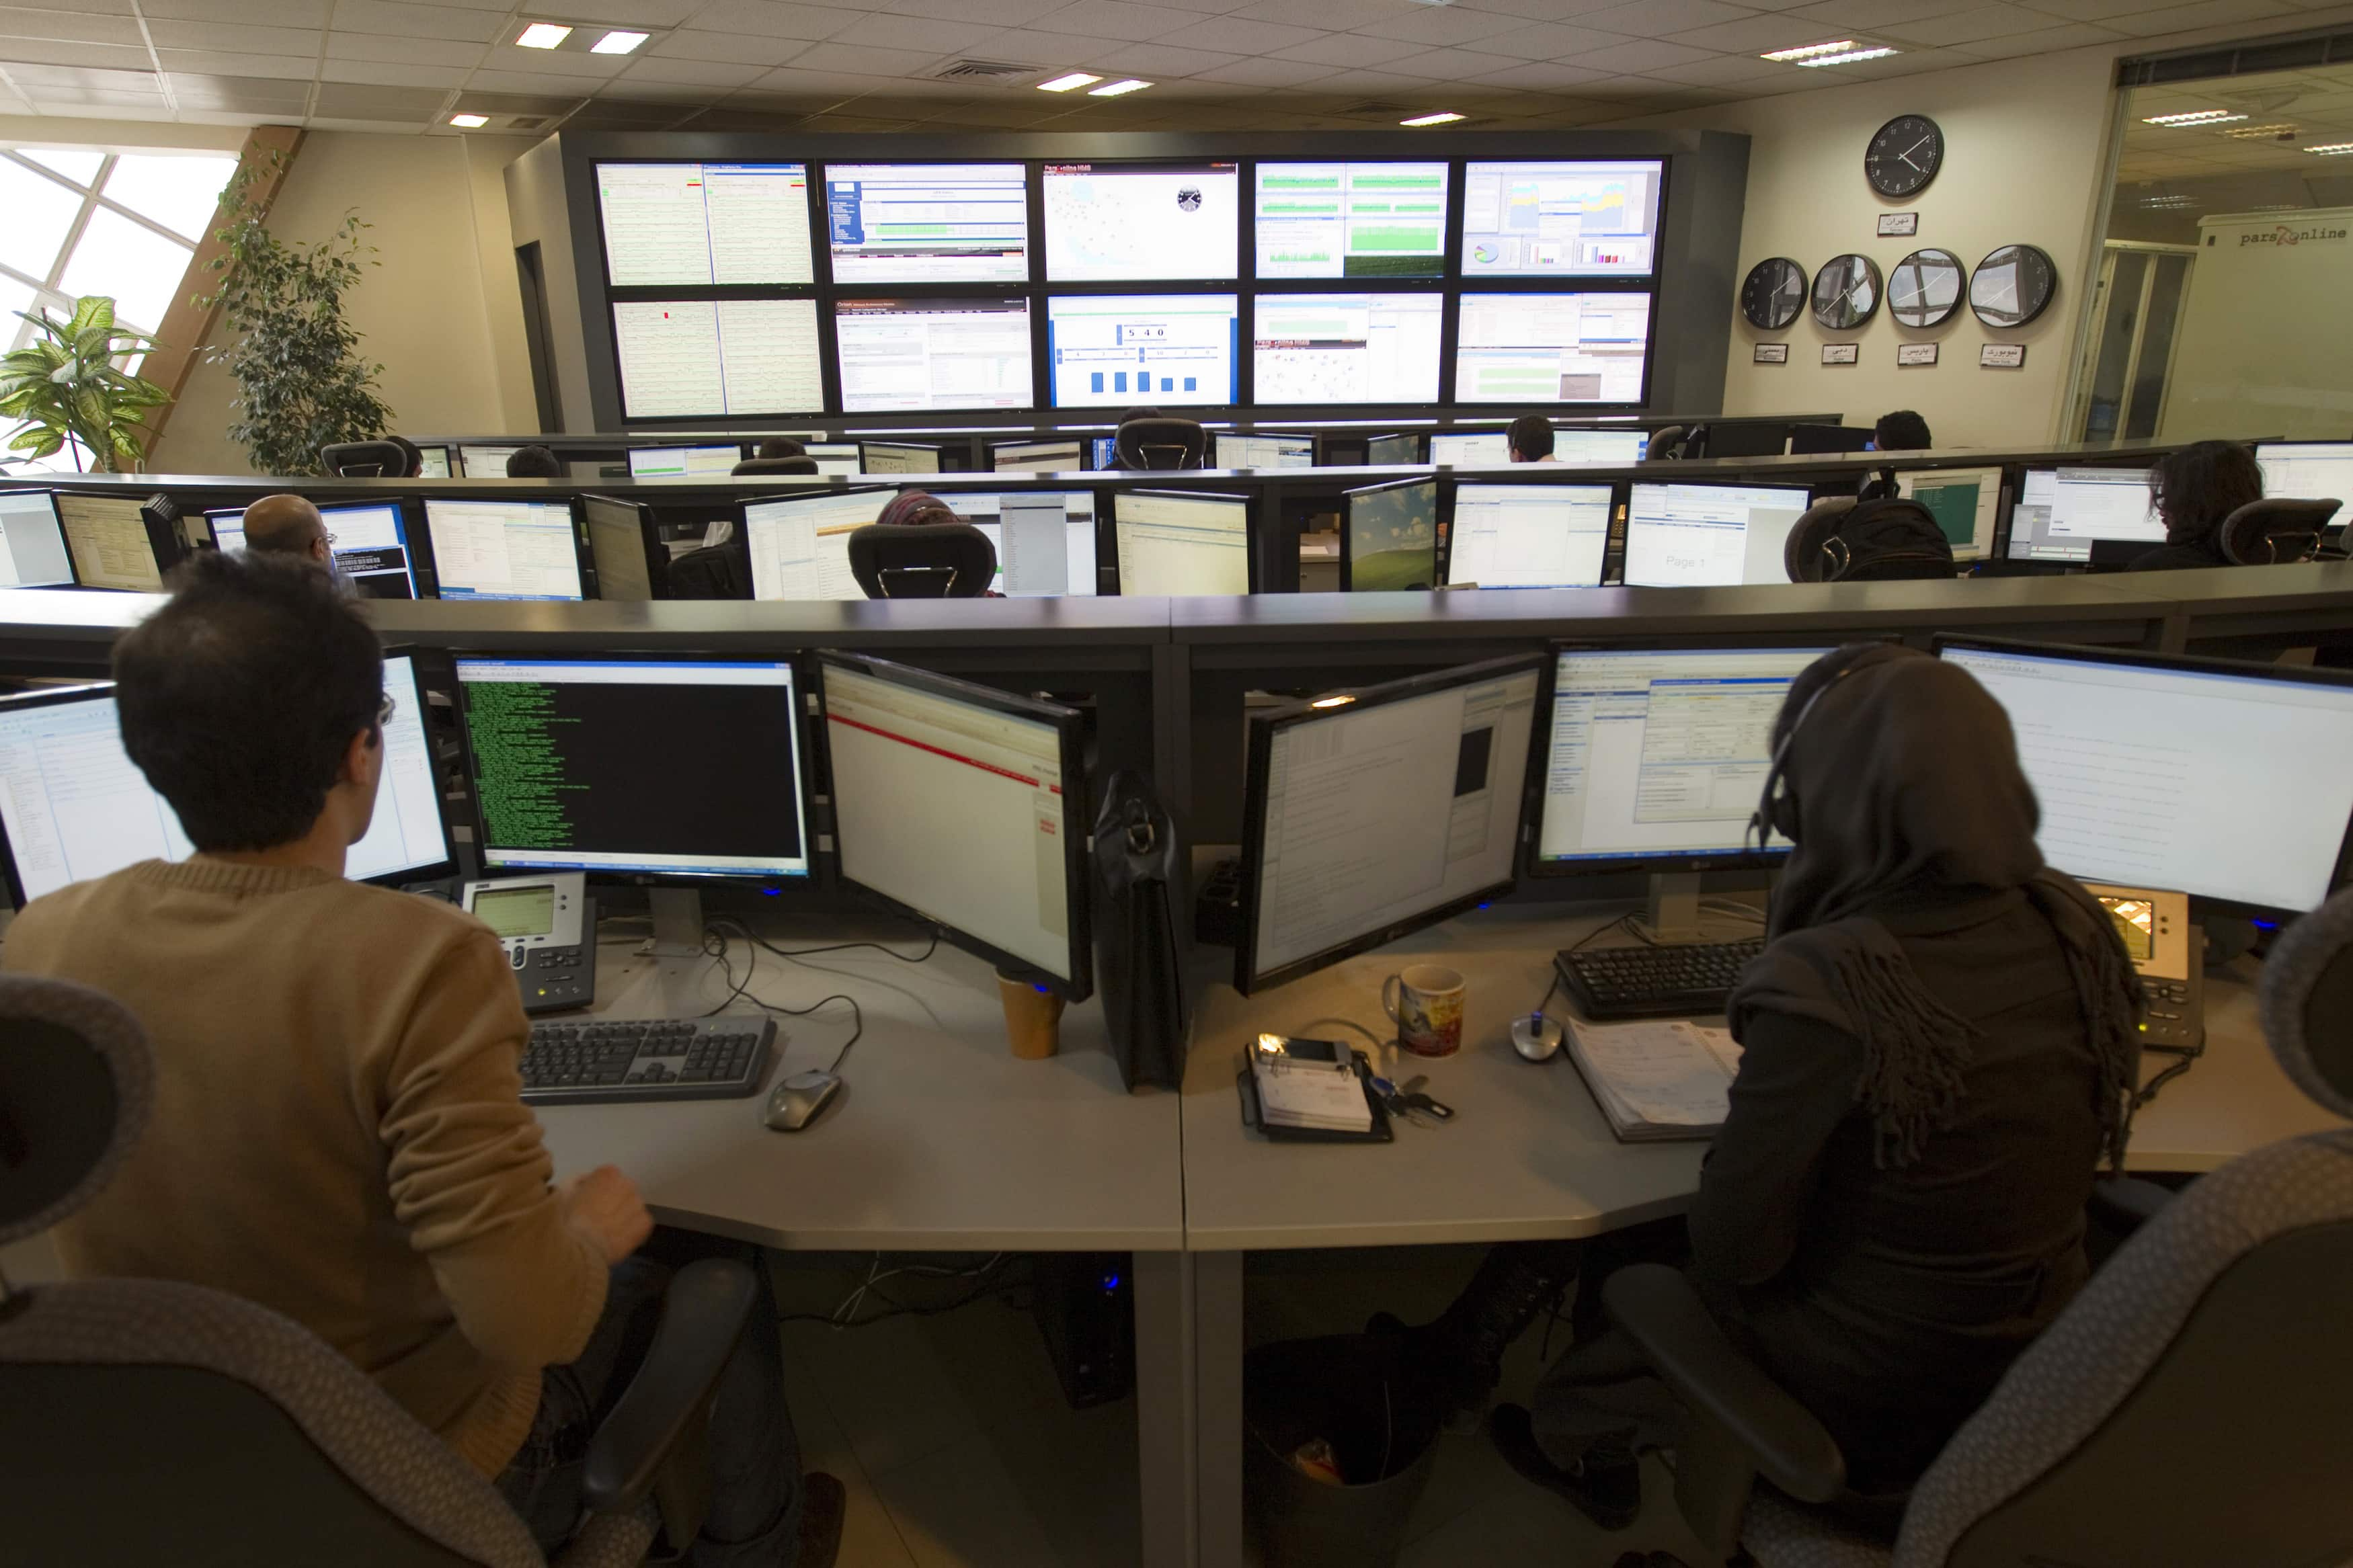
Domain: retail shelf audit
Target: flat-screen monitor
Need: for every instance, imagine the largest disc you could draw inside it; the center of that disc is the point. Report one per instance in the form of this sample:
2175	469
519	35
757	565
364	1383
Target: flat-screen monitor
32	541
1470	448
708	358
1132	223
1045	540
1351	220
1035	457
1383	451
911	356
1529	536
1234	451
111	542
484	462
369	540
1697	536
1820	440
2059	512
679	767
704	223
928	223
800	545
680	462
1385	812
1657	755
1390	538
73	805
1964	501
898	458
966	806
1585	218
504	549
1746	438
1102	451
632	562
1179	543
1114	351
433	463
835	459
1535	349
2230	782
1618	448
1346	348
2308	470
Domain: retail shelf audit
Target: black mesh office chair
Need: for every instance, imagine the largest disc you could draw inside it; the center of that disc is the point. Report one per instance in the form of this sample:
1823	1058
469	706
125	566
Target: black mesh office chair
922	560
2275	530
774	466
386	458
150	1421
1665	445
1162	444
714	572
1871	539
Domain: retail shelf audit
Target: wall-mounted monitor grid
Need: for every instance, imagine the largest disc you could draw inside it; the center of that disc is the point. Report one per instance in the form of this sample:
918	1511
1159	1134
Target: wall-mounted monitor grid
928	223
680	462
32	541
1697	536
1178	545
1346	348
1390	538
1964	501
1045	540
1470	448
504	548
2061	511
898	458
369	540
800	545
1035	457
911	356
684	358
668	224
1351	220
1132	223
1112	350
1533	349
1561	219
1529	536
1234	451
2309	470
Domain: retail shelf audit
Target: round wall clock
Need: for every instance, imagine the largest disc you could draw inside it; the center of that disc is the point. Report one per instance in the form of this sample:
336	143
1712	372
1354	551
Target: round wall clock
1904	155
2012	286
1846	292
1924	289
1773	293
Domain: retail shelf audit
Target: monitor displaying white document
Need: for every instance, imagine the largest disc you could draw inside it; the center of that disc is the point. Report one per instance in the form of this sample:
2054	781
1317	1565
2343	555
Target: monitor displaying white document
911	356
1529	536
683	358
504	549
800	545
1619	449
1347	348
1533	349
1585	218
704	223
1470	449
2061	511
32	541
928	223
110	543
1180	545
2308	470
1141	222
1234	451
1698	536
1045	540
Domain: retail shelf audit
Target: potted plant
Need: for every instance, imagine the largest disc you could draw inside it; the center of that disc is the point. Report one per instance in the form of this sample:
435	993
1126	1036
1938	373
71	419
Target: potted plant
64	387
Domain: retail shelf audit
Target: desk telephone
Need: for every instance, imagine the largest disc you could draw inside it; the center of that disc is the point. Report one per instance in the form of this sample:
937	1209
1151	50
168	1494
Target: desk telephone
2168	953
548	926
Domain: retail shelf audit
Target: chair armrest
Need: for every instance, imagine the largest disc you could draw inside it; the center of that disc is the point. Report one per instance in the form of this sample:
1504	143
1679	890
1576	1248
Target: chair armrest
2125	1203
1661	1313
703	1313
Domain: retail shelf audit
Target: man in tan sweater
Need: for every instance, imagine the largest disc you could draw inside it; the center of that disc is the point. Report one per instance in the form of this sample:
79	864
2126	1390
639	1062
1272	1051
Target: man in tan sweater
338	1133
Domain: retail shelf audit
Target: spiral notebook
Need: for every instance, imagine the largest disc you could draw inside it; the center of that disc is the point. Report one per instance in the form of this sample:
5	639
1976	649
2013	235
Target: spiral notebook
1320	1097
1659	1080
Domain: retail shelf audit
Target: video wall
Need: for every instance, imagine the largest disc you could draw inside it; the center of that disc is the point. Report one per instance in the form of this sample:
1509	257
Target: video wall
763	289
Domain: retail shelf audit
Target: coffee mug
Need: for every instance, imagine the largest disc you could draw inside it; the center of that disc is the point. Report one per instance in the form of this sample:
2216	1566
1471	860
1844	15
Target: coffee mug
1426	1001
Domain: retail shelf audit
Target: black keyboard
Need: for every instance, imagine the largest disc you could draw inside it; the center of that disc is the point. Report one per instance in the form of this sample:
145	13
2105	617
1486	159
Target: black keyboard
646	1058
1609	983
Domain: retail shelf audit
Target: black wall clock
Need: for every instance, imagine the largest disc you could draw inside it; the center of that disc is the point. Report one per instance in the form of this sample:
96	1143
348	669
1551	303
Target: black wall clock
1905	155
2012	286
1924	289
1846	292
1773	293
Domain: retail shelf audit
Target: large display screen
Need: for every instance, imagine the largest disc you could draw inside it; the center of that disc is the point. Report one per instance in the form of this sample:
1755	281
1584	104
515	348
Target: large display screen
1111	351
928	223
1552	348
1134	222
1346	348
697	357
1581	220
908	355
704	223
1351	220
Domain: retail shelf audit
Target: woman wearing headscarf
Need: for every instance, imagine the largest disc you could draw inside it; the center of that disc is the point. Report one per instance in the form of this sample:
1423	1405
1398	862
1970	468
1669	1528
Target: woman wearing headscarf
1938	1047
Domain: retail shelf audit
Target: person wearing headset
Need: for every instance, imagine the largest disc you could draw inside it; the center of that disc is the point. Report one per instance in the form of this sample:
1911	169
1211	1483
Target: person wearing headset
2191	491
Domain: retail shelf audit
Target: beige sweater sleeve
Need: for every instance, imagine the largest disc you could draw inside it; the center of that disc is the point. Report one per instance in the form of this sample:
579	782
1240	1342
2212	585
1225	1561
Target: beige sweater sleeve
468	1172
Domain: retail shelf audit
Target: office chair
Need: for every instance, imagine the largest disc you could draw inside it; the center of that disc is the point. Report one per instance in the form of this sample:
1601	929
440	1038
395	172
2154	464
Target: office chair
1162	444
722	571
2275	530
152	1421
774	466
386	458
1866	539
922	560
1666	444
2186	1409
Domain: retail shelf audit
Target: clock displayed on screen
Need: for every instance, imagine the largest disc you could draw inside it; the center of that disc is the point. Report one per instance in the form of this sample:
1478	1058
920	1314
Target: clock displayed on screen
1925	288
2012	286
1846	292
1904	155
1773	293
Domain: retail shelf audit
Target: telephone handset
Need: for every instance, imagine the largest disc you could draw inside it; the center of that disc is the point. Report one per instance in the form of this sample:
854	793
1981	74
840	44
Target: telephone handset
2168	953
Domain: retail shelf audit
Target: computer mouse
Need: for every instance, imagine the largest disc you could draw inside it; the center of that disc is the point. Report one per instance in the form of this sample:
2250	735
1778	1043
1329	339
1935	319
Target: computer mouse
800	1099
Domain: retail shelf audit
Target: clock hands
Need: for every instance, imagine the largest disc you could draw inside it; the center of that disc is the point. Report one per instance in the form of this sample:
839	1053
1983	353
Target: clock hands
1906	153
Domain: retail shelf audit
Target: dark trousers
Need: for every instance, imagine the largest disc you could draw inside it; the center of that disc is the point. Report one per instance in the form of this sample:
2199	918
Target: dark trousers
756	1498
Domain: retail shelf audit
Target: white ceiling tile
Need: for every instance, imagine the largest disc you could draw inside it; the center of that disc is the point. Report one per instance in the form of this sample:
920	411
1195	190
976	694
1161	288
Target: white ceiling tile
1723	71
213	62
1319	16
1232	35
1549	41
1374	84
1018	46
1853	14
1440	27
1267	73
1966	27
1621	89
691	46
17	23
1642	55
1755	34
1536	10
795	86
555	62
2207	13
1451	65
622	13
991	13
634	89
279	13
866	61
2074	36
768	20
393	18
1541	75
1350	50
394	73
568	86
1656	18
405	51
699	73
1116	19
228	38
2090	10
53	52
1158	62
925	36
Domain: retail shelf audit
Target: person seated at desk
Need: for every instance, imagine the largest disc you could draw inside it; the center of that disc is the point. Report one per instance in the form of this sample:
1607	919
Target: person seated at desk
1529	440
780	446
288	525
339	1134
2191	491
535	463
1902	431
1938	1040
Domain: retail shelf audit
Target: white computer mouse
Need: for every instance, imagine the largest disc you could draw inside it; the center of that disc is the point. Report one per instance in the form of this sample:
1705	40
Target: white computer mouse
800	1099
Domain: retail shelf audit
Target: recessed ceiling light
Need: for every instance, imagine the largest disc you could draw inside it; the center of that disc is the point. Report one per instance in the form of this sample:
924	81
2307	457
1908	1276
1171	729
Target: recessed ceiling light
2331	148
2197	117
542	36
1065	83
1805	51
469	122
2249	133
1114	89
1443	117
1872	52
619	41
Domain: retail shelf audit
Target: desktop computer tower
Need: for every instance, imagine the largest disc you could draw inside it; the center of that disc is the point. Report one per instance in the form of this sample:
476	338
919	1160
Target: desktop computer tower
1085	1307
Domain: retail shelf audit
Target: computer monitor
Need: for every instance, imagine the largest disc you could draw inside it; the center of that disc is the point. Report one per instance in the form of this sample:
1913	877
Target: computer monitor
1351	220
2059	512
484	462
1747	438
117	543
1964	501
1346	348
1035	457
73	805
1586	218
1102	451
1470	448
1045	540
1657	757
682	359
1376	813
632	562
2309	470
640	767
485	548
1134	222
1263	451
928	223
433	463
910	355
1386	451
1697	536
800	545
897	457
2230	782
834	460
369	540
1619	449
1115	351
1180	543
1535	349
1390	538
704	223
680	462
965	807
1529	536
32	541
1822	440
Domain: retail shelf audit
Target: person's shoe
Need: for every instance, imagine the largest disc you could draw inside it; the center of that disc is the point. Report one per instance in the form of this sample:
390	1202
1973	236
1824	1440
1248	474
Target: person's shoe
824	1500
1606	1486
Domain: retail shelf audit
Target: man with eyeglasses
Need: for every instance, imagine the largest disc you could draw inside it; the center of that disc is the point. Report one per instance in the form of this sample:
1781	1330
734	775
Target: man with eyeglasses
288	525
339	1132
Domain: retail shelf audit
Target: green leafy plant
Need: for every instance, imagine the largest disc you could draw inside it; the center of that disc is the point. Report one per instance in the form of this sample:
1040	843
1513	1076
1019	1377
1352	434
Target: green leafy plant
301	380
64	386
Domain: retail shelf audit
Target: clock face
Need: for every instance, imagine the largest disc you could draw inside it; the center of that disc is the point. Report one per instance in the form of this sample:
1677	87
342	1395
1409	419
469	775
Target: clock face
1846	292
1773	293
1905	155
1925	288
2012	286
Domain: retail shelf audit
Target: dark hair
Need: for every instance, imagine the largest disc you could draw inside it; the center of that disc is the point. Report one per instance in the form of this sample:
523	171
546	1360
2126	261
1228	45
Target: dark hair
533	463
2195	489
1531	435
1902	431
239	696
780	446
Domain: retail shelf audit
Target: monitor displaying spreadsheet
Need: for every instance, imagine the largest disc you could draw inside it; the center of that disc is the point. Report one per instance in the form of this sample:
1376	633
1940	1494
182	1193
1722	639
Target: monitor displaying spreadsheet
1140	222
369	541
800	545
1964	501
1351	220
484	462
1698	536
682	358
1035	457
1180	545
704	223
910	355
1586	218
1045	540
1234	451
1470	449
1529	536
624	542
2309	470
834	460
897	457
928	223
2059	512
682	462
433	463
1347	348
1112	351
110	542
1552	348
504	549
32	541
1618	448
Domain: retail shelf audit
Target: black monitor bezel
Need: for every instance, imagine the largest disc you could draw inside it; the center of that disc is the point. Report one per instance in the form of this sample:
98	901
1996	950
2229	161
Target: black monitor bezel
54	697
1451	494
1248	979
650	541
1438	544
583	560
163	546
73	568
1419	438
1250	530
819	489
1070	727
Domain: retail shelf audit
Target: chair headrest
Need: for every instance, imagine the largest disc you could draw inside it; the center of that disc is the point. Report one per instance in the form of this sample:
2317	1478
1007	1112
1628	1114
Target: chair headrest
388	458
2275	530
1162	444
77	1079
2306	1000
1665	444
774	465
922	560
1803	559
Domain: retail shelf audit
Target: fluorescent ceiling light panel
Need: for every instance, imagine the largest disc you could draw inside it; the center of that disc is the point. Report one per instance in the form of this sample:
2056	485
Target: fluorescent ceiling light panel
542	36
1117	87
1876	52
2331	148
469	122
2249	132
619	41
2197	117
1807	51
1065	83
1443	117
